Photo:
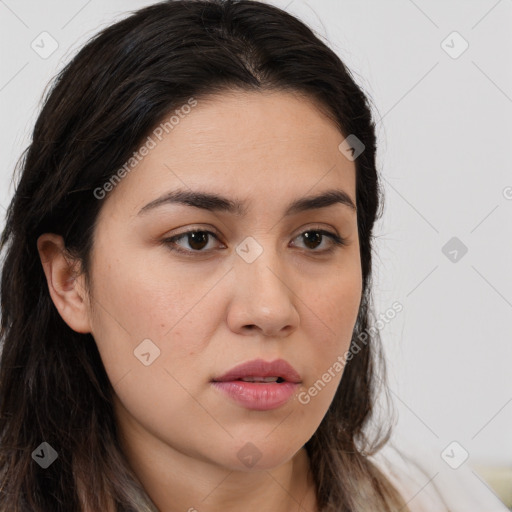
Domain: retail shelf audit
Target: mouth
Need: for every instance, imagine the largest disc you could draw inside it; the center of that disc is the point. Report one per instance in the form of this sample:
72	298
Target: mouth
262	380
261	371
259	385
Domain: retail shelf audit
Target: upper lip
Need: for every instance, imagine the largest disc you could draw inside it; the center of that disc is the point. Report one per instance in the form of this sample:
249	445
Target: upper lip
261	368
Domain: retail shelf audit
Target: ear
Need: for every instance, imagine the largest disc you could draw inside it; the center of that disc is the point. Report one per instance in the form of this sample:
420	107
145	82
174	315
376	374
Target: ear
66	287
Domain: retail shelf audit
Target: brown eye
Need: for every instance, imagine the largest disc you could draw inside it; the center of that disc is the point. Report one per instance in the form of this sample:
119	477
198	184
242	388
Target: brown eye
313	238
197	240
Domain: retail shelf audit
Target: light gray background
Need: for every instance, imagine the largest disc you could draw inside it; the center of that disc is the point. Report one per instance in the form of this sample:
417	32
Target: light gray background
445	136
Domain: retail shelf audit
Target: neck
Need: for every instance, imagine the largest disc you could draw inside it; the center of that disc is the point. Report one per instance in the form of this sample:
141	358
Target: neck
177	482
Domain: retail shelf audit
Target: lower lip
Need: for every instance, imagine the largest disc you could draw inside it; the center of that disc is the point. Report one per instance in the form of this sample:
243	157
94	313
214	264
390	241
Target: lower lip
258	396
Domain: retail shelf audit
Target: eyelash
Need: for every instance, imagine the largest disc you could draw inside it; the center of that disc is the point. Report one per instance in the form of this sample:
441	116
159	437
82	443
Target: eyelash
337	241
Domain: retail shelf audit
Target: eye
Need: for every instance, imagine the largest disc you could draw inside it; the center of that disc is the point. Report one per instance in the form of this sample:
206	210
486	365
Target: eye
315	237
198	239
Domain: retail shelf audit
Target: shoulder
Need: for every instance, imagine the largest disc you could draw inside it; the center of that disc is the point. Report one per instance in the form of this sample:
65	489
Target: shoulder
429	484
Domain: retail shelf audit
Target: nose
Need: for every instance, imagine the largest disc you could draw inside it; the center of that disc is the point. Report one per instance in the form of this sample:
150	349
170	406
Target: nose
263	302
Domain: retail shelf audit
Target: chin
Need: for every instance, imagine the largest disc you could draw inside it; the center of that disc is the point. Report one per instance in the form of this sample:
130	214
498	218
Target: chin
260	454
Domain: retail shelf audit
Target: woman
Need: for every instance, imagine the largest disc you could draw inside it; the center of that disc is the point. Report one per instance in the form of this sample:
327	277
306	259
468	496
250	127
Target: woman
187	273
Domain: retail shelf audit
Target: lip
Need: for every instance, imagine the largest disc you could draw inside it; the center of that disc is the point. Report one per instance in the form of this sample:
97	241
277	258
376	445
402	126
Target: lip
261	368
259	396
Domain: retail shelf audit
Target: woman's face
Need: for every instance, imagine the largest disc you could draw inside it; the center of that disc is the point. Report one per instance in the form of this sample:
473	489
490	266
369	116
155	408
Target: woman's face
259	282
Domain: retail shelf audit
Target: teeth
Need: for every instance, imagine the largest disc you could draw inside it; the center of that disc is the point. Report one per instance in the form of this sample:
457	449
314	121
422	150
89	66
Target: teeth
260	379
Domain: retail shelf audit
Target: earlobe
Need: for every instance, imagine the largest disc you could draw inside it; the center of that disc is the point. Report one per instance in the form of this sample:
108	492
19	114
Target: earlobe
64	284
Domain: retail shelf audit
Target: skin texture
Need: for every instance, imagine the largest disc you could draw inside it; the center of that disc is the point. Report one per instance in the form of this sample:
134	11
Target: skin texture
213	310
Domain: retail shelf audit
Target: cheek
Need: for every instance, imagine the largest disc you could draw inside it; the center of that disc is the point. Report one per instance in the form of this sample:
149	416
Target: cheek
340	299
329	327
140	309
334	305
141	318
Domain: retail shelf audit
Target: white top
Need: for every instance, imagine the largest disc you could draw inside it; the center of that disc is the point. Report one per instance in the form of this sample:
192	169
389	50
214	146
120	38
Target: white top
429	484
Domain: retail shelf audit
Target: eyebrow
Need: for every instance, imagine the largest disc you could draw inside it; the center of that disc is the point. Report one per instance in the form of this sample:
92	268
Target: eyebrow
215	202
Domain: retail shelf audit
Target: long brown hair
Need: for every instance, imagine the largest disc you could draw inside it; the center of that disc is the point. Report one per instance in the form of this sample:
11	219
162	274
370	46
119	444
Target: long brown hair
53	386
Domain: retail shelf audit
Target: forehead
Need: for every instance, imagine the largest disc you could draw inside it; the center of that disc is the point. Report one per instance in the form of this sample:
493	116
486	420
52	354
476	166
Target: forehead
269	143
247	123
